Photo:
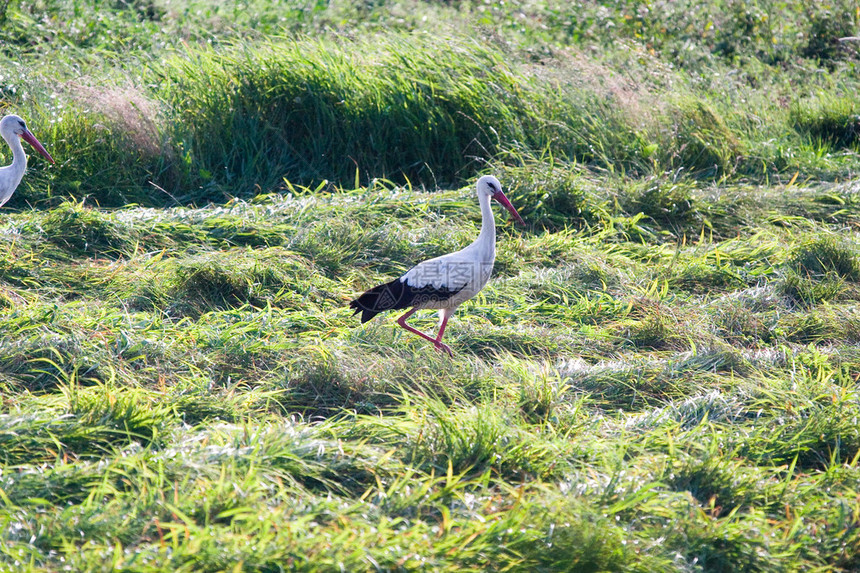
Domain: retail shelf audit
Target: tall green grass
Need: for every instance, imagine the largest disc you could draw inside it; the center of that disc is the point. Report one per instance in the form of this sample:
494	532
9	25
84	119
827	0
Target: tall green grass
208	124
417	108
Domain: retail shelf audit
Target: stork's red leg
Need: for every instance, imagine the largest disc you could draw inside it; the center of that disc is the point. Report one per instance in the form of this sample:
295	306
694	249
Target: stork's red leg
446	314
437	342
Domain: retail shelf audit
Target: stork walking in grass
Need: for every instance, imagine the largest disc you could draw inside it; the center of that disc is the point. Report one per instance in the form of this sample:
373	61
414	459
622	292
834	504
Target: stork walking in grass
13	129
445	282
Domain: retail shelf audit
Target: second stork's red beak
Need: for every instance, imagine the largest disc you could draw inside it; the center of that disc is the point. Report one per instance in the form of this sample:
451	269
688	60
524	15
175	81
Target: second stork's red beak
501	198
31	139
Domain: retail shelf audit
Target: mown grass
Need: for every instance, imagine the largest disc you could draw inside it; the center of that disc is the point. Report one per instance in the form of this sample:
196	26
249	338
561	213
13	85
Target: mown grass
215	381
662	375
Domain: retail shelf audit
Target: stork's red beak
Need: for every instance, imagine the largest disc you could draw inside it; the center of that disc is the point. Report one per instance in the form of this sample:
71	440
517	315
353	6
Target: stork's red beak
500	197
31	139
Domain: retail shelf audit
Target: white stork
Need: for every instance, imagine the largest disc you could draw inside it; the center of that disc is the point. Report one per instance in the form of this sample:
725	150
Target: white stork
445	282
13	129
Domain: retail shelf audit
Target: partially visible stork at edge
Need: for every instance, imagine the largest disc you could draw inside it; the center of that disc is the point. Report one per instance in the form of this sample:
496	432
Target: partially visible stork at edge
444	282
13	129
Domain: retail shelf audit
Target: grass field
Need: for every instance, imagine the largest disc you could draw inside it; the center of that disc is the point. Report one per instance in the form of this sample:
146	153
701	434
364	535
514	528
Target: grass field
662	375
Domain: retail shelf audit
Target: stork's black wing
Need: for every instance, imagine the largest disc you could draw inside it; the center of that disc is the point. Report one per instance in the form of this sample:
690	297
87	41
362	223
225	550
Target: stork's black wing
397	294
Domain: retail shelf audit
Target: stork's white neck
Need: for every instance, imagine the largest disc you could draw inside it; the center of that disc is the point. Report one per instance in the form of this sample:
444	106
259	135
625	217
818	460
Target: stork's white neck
486	241
10	176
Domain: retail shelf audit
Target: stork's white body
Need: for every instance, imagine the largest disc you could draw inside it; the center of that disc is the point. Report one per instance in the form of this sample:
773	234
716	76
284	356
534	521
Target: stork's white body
464	272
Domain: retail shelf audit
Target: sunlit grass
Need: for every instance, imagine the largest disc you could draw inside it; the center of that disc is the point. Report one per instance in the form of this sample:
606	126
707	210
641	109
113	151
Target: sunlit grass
661	376
205	358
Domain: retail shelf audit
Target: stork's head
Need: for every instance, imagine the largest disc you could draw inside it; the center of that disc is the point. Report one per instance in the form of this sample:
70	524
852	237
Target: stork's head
490	186
12	125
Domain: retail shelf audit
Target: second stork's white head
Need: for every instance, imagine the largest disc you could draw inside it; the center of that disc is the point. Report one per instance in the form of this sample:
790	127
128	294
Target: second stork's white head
13	130
490	186
12	127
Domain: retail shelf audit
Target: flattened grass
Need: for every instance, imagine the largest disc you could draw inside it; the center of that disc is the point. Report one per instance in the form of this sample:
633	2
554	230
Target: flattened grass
601	393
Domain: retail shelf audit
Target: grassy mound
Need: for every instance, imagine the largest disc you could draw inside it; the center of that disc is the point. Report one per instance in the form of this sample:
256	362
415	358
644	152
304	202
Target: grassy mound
415	108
